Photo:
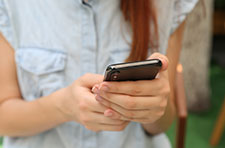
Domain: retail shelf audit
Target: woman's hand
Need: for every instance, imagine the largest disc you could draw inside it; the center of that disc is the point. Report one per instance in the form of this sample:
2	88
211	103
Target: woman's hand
140	101
79	104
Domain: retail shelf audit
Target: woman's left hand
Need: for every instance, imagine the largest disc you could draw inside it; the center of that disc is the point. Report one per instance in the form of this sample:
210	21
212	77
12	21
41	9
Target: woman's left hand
143	101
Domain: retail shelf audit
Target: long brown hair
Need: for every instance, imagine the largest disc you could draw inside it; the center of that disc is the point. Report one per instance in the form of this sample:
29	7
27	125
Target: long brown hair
142	17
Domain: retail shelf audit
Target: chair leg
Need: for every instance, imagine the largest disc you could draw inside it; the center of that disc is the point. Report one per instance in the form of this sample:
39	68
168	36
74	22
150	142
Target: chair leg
180	100
219	127
181	133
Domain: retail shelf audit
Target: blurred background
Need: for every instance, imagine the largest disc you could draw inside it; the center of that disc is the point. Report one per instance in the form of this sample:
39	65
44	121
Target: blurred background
203	59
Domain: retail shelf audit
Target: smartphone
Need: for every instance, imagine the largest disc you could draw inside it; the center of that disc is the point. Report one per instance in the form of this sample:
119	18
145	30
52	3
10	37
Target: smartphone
133	71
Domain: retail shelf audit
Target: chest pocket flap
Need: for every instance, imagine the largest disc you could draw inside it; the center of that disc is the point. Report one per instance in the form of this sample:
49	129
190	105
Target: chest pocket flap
40	61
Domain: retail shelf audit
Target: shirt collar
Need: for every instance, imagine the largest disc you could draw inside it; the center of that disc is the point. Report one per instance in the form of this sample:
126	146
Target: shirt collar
86	1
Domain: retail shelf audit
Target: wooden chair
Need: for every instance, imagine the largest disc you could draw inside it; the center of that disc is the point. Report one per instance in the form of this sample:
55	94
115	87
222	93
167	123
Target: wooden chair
219	29
219	127
175	43
181	107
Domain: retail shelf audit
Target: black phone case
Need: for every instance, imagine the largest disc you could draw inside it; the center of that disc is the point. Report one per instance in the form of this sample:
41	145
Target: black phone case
132	71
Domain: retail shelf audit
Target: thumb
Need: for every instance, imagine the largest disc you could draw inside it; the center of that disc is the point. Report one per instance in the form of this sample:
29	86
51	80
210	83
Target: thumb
162	58
89	80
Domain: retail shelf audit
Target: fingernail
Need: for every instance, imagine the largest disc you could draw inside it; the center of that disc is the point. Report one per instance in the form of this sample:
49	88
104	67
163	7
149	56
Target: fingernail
108	113
99	98
94	89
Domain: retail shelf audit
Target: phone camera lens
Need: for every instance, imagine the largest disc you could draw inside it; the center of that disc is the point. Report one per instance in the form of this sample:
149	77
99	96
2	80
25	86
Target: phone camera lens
114	76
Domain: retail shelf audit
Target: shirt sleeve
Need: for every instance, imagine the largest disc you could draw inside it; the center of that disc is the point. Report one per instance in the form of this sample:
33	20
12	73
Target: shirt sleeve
5	26
181	9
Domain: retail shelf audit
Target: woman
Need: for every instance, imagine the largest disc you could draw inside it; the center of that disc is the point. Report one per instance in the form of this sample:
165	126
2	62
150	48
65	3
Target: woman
48	99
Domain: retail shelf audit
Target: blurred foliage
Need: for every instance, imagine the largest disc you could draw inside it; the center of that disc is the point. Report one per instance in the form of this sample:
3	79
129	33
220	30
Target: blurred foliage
220	4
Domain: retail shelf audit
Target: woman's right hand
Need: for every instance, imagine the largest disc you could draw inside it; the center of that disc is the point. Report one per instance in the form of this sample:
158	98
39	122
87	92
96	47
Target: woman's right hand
78	104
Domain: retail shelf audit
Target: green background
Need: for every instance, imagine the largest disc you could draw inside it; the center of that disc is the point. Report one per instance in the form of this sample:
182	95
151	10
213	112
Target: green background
200	126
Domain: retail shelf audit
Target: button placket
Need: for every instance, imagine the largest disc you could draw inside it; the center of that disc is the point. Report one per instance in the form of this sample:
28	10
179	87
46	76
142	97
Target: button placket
89	56
87	2
89	40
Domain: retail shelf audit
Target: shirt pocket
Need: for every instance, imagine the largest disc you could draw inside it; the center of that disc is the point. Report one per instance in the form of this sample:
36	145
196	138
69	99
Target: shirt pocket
40	71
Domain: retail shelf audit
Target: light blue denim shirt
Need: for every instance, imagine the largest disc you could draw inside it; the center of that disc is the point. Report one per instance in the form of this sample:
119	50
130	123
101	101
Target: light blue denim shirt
57	41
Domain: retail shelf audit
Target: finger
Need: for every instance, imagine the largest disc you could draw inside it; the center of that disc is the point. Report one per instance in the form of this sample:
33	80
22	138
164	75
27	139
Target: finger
149	118
130	114
143	116
136	88
107	112
112	114
95	88
101	119
91	104
162	58
98	107
89	80
141	120
165	63
117	112
131	102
